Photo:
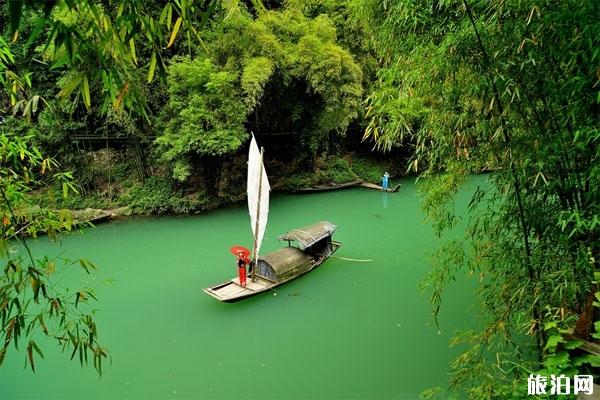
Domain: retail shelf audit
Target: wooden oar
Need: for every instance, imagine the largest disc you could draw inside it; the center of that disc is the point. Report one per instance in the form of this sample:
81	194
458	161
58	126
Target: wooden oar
350	259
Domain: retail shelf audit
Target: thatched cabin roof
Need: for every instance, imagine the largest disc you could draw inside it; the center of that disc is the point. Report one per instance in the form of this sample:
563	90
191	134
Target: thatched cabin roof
310	234
286	259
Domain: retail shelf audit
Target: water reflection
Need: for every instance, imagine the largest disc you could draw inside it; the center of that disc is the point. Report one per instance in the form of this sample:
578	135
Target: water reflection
384	199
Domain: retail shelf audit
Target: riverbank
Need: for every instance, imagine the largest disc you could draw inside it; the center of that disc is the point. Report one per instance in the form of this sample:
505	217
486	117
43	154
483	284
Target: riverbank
115	186
95	215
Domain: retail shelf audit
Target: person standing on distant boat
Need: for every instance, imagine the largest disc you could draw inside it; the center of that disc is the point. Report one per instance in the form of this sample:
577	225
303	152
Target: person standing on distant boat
385	182
241	263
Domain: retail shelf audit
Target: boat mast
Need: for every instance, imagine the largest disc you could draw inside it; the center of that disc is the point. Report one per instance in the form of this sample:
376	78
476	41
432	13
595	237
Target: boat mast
255	257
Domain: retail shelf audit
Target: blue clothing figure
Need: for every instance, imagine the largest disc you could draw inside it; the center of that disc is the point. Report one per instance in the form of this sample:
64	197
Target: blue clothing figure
385	182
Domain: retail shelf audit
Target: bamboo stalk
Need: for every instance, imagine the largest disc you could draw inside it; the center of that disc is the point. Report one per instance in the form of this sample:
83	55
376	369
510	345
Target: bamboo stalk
485	64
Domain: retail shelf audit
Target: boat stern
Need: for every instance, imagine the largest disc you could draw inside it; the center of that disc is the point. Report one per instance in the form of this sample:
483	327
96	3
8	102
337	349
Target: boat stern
231	291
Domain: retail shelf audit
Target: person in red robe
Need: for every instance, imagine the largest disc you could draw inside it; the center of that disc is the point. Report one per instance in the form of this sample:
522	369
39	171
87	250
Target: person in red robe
242	261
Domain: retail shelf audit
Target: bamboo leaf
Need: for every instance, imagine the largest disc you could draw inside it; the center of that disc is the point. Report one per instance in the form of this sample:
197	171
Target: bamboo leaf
75	347
174	32
36	348
15	11
34	106
91	295
87	265
60	62
99	365
83	265
163	14
2	354
43	325
70	86
37	29
35	286
169	16
132	50
259	6
85	90
152	67
26	110
121	95
30	356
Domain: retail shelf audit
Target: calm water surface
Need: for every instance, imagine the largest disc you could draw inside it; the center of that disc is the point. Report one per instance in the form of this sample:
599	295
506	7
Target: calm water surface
346	330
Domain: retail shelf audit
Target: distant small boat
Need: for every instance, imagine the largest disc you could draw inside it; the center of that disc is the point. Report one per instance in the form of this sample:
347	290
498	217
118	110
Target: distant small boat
314	246
336	186
379	187
327	187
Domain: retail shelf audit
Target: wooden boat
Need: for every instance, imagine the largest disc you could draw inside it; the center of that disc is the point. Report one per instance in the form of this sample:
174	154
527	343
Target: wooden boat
336	186
379	187
327	187
314	245
314	242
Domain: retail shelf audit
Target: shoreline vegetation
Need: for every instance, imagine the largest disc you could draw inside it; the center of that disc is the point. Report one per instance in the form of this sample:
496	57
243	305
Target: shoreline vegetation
117	192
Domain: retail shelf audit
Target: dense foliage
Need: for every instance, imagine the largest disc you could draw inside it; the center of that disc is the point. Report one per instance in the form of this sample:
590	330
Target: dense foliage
295	70
212	95
98	44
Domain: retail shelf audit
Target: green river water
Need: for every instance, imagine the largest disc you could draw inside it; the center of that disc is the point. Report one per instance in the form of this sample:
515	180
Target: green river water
346	330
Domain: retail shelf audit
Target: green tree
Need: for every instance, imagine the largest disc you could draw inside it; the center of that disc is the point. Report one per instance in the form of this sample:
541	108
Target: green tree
243	75
208	113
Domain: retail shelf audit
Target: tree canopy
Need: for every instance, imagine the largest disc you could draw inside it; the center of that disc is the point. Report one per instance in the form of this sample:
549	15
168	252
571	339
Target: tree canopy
212	95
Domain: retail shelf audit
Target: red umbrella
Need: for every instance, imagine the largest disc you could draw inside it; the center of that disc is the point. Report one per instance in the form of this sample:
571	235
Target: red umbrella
235	250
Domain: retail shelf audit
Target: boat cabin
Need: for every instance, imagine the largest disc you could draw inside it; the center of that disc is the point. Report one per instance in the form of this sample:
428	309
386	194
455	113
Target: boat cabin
283	264
314	244
314	239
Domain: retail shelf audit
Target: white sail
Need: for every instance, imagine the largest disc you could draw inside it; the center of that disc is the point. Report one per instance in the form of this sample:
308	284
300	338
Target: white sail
258	194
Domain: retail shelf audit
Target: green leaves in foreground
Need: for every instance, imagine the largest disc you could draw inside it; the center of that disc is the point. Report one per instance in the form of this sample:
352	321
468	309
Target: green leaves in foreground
32	300
98	41
30	349
510	88
31	304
